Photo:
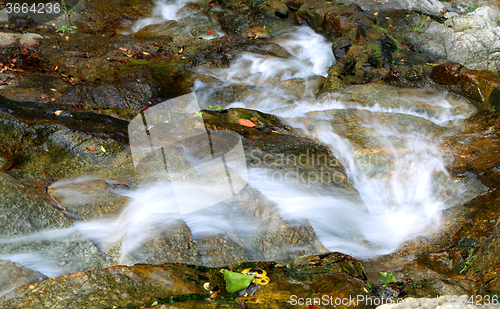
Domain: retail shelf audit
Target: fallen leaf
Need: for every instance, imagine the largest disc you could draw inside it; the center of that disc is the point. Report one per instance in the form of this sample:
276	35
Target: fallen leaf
52	99
254	118
103	150
312	307
57	113
25	51
91	148
209	32
123	61
181	50
52	89
53	68
113	59
145	107
152	99
3	82
247	123
403	60
88	65
43	96
67	38
123	49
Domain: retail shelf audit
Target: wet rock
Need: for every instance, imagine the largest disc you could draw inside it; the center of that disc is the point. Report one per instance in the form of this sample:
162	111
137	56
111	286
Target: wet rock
293	6
116	286
314	15
121	94
166	29
417	73
484	263
341	46
394	75
257	33
280	14
87	198
165	285
447	73
338	23
483	86
13	275
235	23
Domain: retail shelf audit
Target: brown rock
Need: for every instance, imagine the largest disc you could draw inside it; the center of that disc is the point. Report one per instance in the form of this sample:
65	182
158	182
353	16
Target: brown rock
483	86
338	23
446	74
257	33
393	76
293	6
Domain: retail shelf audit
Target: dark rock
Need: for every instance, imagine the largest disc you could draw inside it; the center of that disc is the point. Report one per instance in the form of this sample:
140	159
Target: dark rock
278	13
129	94
447	73
293	6
483	86
341	46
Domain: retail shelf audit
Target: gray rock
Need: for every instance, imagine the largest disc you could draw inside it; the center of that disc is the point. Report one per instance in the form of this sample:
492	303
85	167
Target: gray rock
472	39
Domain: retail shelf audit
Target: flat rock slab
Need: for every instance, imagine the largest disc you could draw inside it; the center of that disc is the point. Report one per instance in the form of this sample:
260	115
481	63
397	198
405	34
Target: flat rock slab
7	39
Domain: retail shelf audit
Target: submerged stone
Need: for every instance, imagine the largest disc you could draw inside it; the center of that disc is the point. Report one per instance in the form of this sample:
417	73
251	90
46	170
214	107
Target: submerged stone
483	86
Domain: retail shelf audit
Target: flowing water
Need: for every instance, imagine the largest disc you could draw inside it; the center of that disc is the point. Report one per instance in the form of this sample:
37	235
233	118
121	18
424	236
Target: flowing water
398	179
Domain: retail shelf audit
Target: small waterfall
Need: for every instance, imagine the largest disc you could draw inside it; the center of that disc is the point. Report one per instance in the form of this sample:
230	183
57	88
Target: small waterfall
396	196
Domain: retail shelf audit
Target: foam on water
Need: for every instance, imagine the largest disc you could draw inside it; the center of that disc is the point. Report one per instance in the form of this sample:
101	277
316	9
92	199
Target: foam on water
164	10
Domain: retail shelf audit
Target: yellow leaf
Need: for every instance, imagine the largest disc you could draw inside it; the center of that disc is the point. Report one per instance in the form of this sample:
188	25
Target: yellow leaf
103	150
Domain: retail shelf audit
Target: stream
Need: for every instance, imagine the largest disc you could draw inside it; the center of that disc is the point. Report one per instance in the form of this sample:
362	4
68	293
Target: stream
387	142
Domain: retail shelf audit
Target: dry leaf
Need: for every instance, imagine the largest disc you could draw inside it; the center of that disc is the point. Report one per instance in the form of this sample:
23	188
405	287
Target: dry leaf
67	38
57	113
123	48
103	150
43	96
254	118
247	123
91	148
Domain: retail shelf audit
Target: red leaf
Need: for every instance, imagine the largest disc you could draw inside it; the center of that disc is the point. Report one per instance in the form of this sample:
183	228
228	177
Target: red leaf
43	96
209	32
25	51
247	123
113	59
144	108
312	307
152	99
91	148
123	61
83	56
